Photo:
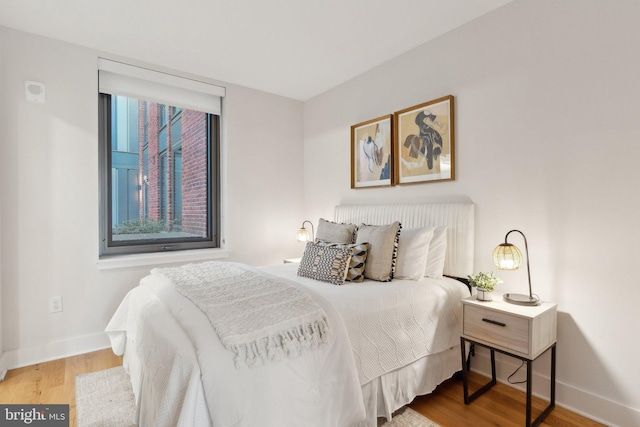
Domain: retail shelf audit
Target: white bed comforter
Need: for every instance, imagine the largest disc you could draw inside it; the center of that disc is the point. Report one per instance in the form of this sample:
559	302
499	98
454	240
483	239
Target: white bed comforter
183	377
392	324
172	387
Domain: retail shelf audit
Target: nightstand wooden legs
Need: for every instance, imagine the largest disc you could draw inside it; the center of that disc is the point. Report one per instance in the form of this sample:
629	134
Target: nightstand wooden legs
470	398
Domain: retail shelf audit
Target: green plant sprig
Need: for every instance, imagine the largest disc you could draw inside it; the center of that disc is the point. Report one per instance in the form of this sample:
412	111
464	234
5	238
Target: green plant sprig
486	281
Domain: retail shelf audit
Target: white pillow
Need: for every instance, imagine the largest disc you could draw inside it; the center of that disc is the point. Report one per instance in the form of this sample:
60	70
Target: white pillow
437	253
413	251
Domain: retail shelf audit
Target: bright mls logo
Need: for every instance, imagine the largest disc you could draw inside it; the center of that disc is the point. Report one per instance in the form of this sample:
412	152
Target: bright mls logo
35	415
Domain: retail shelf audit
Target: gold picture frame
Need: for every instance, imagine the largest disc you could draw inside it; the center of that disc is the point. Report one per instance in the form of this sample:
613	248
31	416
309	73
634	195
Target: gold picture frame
424	142
372	153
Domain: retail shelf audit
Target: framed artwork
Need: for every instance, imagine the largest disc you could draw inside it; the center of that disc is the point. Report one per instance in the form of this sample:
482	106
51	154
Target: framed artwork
424	142
371	153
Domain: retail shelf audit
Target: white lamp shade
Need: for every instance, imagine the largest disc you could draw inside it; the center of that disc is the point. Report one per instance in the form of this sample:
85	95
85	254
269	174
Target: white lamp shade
507	257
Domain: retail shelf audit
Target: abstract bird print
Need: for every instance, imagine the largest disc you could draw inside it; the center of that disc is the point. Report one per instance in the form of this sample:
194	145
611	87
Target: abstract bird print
372	152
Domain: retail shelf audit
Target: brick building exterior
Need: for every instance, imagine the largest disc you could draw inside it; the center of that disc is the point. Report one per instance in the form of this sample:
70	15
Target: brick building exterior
194	172
173	167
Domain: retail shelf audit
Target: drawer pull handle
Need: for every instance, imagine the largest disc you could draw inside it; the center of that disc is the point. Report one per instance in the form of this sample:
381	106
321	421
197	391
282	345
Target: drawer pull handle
494	322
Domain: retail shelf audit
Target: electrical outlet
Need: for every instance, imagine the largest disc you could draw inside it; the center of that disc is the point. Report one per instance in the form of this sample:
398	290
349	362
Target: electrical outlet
55	304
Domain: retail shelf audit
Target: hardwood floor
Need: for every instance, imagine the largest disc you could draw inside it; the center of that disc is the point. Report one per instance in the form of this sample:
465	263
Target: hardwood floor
502	406
54	382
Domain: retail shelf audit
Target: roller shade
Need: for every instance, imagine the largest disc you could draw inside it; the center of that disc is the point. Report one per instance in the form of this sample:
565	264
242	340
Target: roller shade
117	78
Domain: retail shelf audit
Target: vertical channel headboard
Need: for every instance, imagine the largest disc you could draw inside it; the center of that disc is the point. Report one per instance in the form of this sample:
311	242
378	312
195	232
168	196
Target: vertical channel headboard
458	217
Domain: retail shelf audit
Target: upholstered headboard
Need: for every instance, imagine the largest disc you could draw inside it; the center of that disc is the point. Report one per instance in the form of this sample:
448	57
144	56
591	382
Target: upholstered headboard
458	217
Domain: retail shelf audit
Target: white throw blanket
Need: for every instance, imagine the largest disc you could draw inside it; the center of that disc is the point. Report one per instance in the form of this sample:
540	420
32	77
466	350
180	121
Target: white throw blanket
257	317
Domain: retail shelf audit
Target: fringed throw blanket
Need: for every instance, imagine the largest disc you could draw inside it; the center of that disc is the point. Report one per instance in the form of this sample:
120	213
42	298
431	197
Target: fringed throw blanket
257	317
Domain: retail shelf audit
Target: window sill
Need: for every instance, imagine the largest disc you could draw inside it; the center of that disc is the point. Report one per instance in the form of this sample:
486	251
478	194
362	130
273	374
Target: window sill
142	260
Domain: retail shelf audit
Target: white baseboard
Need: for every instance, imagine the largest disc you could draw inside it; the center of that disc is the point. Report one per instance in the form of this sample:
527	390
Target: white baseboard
52	351
597	408
3	367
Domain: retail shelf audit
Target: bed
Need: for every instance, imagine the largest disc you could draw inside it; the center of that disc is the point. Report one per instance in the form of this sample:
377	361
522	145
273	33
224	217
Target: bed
389	341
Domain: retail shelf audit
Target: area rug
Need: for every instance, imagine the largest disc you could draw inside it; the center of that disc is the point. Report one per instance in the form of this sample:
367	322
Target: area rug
105	399
407	417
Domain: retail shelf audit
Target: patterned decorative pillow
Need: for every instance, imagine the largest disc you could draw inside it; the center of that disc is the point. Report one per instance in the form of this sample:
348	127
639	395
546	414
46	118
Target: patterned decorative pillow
325	263
383	250
333	232
355	273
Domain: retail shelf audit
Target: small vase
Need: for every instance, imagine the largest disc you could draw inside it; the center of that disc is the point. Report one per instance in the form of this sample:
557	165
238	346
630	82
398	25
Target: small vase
483	295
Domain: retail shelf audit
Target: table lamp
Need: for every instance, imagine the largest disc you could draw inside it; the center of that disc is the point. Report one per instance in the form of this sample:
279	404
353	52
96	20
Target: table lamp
303	233
508	257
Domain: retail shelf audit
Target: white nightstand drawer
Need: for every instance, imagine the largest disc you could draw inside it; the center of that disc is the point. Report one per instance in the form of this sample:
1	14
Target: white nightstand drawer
494	327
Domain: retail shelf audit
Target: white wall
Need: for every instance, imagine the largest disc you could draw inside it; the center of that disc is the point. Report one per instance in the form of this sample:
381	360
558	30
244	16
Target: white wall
547	103
49	196
2	112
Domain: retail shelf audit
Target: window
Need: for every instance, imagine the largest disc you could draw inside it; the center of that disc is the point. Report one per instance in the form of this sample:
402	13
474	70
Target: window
159	161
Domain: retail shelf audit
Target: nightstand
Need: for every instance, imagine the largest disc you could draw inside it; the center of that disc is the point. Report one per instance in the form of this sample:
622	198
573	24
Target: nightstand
523	332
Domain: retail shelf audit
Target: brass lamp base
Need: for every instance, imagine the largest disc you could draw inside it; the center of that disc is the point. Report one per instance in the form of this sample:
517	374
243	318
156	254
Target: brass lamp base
521	299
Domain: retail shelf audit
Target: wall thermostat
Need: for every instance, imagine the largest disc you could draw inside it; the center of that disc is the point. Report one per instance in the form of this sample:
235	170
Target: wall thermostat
34	91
